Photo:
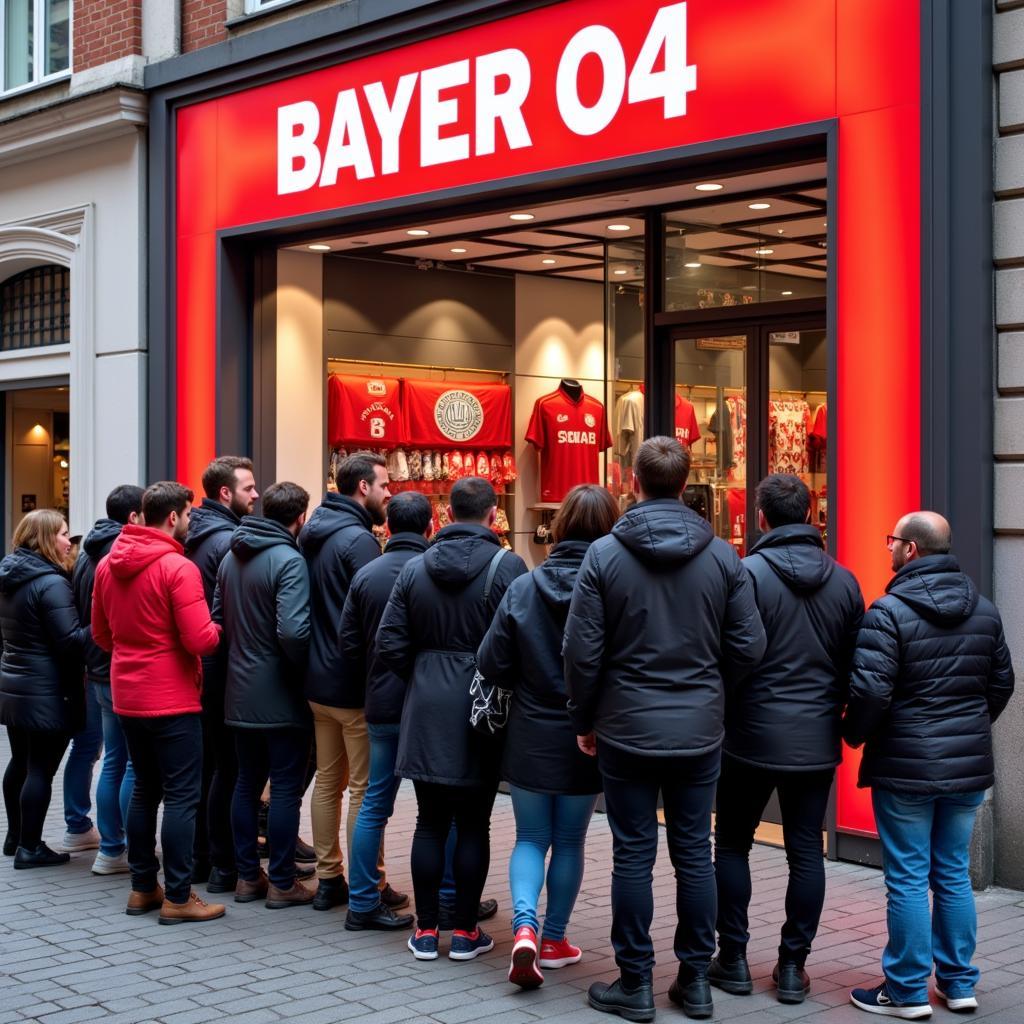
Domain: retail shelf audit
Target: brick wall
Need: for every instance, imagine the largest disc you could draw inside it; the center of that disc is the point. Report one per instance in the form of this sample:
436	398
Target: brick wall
202	23
105	30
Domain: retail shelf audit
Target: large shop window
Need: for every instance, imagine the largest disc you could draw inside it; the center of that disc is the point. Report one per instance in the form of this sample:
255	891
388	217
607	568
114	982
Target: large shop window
35	309
36	41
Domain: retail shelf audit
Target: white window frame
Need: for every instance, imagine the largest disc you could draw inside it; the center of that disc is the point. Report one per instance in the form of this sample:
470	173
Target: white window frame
258	6
38	49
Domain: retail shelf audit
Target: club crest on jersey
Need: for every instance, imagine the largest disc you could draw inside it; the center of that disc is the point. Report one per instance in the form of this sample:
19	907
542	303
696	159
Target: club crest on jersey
458	415
376	387
589	420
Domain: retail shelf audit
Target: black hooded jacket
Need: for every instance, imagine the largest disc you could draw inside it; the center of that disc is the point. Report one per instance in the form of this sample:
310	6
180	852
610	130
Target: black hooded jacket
364	606
42	679
662	618
786	715
429	635
337	541
96	545
210	527
931	673
262	600
522	652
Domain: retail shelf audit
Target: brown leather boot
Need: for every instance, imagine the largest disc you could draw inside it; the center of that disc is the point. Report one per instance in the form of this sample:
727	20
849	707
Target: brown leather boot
193	909
297	896
250	892
144	902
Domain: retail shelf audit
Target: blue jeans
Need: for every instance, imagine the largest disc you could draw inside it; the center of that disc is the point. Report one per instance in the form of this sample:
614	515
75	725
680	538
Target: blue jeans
377	807
85	752
925	843
114	788
545	822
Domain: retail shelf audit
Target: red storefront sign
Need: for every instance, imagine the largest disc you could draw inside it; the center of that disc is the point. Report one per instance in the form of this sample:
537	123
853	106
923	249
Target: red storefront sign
584	81
364	411
447	413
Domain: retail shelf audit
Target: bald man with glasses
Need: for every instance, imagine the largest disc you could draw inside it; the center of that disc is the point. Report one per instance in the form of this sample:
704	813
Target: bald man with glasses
931	673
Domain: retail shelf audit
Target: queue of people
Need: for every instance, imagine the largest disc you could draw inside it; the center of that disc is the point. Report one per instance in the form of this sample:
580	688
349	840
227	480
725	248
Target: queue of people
234	654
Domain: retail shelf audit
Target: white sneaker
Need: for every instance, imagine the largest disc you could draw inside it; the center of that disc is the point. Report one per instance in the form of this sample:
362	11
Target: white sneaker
106	865
958	1004
77	842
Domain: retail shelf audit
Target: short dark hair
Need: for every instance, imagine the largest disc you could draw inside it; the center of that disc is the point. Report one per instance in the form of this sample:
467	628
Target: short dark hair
355	468
284	502
661	466
471	498
930	536
409	512
162	498
784	499
221	473
588	511
122	501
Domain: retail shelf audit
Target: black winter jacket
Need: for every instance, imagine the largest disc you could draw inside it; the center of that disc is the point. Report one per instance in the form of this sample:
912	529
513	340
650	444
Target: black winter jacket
210	528
364	606
931	673
42	670
429	634
522	652
662	618
262	600
786	716
96	545
337	542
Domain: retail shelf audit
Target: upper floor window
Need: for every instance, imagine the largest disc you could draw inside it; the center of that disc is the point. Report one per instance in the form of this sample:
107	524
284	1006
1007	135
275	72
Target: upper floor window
35	308
254	6
36	41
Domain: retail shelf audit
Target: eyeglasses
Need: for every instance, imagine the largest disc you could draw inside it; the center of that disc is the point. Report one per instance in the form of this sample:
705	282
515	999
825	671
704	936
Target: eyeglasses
890	539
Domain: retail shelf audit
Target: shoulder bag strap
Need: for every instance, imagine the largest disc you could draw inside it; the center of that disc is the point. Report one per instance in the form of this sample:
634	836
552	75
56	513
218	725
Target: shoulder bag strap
492	570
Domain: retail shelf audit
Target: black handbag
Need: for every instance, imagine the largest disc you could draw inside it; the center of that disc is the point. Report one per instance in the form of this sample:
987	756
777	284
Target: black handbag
491	704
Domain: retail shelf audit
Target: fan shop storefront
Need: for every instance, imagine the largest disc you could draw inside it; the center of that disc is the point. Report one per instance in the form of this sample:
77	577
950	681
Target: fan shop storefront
515	247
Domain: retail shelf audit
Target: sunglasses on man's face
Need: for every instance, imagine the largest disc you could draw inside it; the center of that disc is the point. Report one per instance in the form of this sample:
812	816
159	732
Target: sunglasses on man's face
891	539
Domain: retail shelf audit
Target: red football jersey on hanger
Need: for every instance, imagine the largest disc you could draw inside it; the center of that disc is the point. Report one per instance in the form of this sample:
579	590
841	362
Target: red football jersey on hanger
444	413
363	411
570	436
687	430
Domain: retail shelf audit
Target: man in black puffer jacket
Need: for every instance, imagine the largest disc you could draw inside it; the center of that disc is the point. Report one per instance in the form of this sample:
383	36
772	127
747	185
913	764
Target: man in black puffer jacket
782	731
230	493
931	674
262	600
662	617
338	541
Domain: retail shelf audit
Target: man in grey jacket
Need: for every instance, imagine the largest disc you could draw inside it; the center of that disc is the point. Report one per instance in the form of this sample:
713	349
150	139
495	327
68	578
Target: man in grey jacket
262	600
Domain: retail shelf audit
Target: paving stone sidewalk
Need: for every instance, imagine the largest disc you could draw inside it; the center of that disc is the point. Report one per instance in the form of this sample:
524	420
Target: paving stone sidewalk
69	954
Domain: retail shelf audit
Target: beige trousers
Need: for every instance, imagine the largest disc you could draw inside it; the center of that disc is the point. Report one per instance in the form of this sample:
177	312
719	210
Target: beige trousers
342	762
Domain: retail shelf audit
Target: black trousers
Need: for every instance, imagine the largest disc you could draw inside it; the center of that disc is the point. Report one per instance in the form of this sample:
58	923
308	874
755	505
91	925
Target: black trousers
632	783
743	792
214	844
438	807
167	754
28	781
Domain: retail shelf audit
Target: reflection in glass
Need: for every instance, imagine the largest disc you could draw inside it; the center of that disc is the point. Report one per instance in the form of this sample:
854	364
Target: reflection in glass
58	36
18	43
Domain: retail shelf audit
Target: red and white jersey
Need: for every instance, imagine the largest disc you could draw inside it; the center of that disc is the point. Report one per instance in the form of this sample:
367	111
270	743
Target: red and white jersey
570	436
363	411
687	430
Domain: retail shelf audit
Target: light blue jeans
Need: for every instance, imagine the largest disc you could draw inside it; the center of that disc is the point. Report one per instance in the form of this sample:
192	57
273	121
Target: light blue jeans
85	752
559	824
114	788
925	844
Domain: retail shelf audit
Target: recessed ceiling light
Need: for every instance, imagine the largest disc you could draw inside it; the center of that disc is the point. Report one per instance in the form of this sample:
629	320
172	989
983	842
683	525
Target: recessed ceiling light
759	206
520	216
692	266
319	248
709	186
824	223
620	273
763	252
787	293
417	232
458	250
620	227
549	262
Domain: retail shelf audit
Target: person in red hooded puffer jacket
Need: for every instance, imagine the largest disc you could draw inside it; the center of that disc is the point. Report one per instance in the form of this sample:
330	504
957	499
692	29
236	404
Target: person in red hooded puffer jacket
150	612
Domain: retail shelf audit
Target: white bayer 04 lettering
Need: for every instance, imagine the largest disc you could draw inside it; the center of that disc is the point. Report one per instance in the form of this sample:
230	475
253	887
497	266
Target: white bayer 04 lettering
501	83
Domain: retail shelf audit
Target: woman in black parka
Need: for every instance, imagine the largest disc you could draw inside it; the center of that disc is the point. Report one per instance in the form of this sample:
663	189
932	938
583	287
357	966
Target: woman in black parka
554	785
42	683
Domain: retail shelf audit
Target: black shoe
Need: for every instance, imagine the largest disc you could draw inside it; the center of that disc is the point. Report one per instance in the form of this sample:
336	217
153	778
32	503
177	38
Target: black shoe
200	872
221	880
446	914
304	852
10	845
731	975
382	919
331	892
487	910
693	995
637	1004
392	899
41	857
304	871
792	982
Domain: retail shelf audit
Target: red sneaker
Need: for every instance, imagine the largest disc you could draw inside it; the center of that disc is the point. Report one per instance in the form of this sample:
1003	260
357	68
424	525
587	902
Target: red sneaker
524	971
559	954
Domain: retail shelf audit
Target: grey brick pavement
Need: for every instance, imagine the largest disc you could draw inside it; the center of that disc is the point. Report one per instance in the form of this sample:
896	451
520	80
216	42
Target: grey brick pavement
68	953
